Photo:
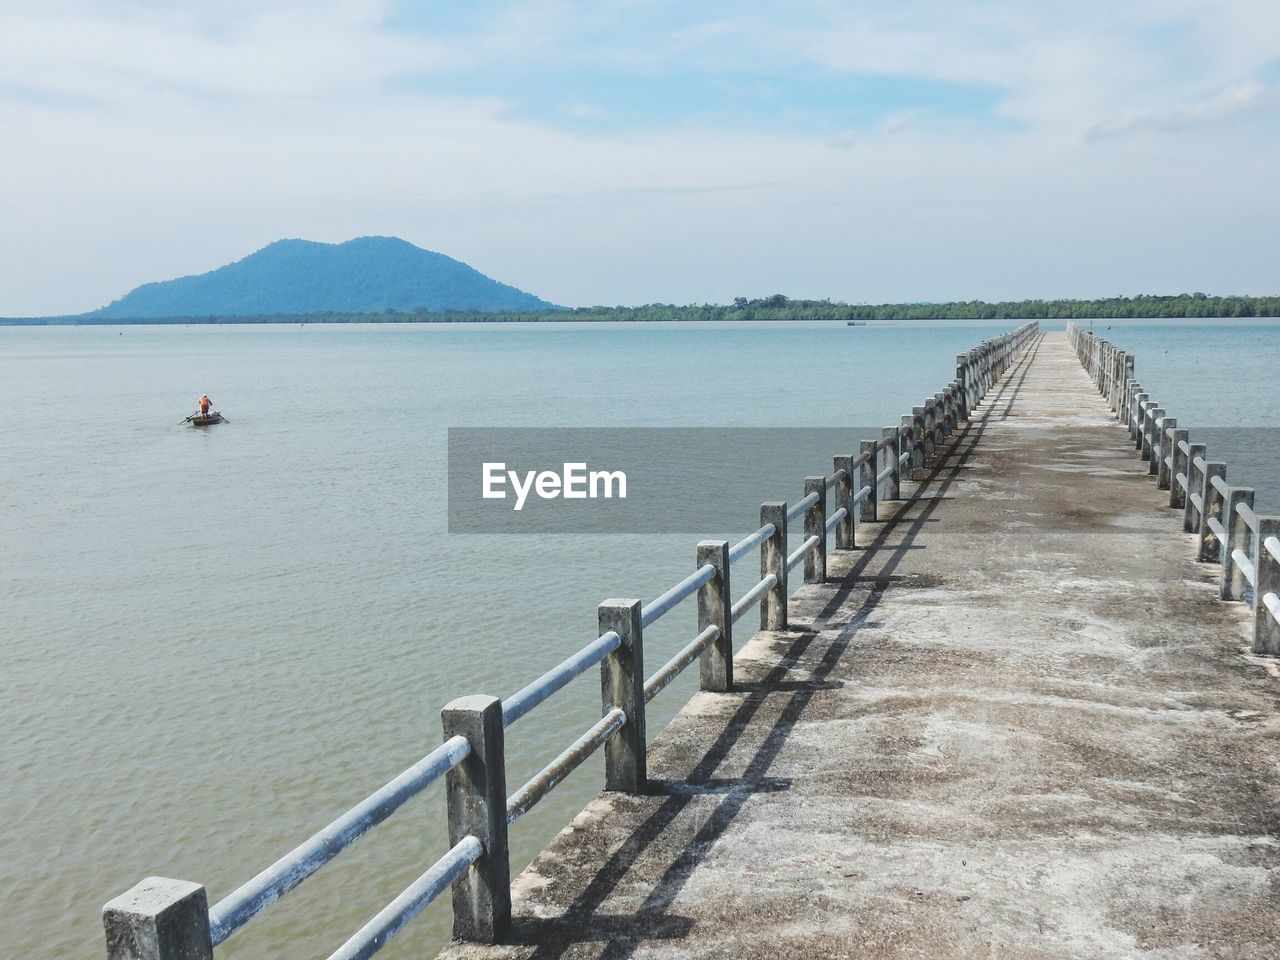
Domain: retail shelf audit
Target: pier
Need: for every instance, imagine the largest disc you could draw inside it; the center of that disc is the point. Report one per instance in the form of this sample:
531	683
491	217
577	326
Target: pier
1023	705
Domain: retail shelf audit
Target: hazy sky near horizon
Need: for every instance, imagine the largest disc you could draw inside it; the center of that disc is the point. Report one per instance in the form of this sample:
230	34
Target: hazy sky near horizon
630	151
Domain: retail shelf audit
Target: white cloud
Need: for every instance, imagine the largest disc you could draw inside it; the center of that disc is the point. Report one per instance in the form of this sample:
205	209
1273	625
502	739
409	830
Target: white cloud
156	140
1239	101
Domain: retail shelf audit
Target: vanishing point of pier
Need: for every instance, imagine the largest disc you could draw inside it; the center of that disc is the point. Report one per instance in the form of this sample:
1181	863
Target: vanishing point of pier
1027	705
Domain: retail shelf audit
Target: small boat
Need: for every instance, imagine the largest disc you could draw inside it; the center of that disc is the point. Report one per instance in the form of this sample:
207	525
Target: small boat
202	421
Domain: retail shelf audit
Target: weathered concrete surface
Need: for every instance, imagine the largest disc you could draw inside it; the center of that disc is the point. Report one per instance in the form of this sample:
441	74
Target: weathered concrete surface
1022	726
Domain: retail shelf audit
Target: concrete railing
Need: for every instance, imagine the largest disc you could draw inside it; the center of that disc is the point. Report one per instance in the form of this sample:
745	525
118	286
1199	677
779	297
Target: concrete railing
163	919
1227	531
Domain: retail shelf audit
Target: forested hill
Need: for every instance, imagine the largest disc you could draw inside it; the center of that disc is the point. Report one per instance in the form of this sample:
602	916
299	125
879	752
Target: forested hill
365	275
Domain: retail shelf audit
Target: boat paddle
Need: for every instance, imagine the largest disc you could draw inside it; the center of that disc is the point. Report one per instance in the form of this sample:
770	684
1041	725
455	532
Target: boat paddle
188	420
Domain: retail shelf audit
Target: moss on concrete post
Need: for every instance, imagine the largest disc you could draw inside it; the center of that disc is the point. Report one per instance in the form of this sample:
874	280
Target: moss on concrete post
715	667
773	560
622	686
476	800
843	494
867	508
815	525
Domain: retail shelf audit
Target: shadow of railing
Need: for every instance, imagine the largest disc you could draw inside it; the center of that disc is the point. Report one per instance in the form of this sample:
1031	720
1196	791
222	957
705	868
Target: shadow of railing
873	570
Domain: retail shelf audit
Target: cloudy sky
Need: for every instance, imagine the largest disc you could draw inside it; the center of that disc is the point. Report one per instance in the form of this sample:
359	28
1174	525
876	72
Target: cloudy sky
628	151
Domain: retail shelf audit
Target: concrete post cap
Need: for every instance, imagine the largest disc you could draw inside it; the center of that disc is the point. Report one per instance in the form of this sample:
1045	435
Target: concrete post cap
152	896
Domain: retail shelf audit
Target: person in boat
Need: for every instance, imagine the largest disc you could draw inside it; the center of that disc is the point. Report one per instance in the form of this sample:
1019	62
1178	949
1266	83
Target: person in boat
205	403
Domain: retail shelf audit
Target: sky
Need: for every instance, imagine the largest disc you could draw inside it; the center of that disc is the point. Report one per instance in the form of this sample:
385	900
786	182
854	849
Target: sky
636	151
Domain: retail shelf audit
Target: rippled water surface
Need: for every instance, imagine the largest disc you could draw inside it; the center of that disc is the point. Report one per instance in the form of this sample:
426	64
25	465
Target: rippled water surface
1221	380
214	641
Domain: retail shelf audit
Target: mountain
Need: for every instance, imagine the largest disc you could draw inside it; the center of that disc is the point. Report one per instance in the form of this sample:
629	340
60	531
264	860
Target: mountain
365	275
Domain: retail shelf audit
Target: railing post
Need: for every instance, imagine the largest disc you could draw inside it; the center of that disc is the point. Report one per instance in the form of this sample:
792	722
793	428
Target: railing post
907	446
1143	444
1153	442
1193	486
1181	464
715	668
773	560
159	919
917	440
962	377
1117	376
1266	632
843	494
622	686
476	797
940	430
1164	453
1122	372
1135	424
892	453
1232	585
815	525
930	428
867	508
1207	545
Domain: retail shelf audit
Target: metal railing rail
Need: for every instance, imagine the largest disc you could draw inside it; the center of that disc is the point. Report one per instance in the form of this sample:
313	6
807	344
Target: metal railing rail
1219	515
247	901
163	919
558	677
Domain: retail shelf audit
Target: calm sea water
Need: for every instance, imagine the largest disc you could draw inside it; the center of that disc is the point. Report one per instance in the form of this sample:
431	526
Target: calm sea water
214	641
1221	380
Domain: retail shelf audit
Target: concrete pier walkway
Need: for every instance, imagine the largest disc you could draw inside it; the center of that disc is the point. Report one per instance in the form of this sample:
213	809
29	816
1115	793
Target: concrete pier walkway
1022	726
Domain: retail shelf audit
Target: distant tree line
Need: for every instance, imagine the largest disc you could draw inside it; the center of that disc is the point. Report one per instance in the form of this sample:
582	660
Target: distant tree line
779	307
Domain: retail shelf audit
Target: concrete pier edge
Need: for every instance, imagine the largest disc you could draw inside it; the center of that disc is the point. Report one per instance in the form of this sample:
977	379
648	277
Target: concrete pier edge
1015	721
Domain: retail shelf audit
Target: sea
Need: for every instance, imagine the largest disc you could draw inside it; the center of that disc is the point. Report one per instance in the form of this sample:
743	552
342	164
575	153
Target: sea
214	641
